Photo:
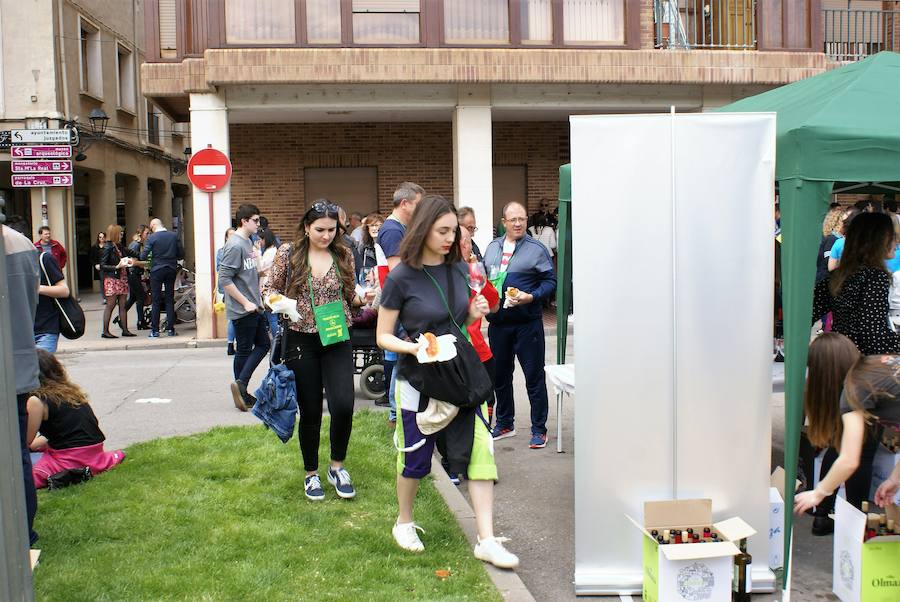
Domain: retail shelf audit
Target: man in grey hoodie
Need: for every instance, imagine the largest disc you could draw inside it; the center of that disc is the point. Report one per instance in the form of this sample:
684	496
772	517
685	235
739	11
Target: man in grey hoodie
239	278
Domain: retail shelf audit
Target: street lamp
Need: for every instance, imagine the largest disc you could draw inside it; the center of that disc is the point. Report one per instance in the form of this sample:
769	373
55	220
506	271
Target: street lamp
98	119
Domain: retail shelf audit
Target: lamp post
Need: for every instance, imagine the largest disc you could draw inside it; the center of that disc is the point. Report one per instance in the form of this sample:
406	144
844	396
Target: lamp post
99	119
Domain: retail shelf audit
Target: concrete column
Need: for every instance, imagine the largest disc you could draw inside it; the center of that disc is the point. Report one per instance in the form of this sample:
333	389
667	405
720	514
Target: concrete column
137	204
161	201
102	204
209	127
473	159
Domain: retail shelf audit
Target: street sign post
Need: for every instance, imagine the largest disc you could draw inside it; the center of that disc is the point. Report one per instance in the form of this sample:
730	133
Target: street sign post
38	180
62	166
41	136
41	152
209	170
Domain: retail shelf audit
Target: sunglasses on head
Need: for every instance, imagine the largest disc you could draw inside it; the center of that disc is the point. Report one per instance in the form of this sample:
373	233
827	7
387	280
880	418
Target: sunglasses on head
324	208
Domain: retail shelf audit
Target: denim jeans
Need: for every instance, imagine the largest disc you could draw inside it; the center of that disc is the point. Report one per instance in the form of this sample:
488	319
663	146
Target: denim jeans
390	368
230	331
251	334
27	478
46	341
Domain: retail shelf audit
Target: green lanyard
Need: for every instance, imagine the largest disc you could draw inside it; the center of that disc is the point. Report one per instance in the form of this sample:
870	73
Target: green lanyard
331	322
464	331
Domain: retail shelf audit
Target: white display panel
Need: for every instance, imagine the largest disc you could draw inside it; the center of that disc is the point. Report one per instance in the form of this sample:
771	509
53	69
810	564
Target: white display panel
673	265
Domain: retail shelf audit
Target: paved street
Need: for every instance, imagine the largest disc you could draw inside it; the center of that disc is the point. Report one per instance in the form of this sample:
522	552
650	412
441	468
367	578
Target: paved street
142	394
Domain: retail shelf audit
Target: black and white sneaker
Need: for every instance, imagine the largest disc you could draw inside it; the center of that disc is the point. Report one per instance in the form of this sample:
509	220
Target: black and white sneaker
340	478
313	488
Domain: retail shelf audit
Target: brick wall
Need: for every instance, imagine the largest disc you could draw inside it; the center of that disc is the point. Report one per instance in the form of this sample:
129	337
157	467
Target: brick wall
648	32
269	159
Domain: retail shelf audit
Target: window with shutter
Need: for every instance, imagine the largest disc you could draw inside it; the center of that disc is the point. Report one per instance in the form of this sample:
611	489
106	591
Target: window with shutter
386	21
168	39
476	21
594	21
259	22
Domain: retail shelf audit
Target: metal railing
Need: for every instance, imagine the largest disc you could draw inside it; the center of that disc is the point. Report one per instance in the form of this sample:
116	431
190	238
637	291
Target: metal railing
718	24
854	34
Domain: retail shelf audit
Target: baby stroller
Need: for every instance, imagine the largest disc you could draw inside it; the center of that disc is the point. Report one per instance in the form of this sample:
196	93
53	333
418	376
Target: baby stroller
368	359
185	299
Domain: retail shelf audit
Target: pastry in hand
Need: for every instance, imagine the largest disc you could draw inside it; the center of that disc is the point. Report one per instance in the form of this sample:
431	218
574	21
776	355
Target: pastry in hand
433	347
512	291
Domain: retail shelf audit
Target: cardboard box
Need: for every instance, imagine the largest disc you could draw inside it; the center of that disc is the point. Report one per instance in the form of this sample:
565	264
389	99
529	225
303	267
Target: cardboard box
776	518
693	571
881	468
863	571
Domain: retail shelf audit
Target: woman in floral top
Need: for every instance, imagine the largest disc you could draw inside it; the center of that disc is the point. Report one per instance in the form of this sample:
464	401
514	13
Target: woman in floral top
318	266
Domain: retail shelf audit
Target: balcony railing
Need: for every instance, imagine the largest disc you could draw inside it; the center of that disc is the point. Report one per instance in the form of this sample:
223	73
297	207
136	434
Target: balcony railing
854	34
711	24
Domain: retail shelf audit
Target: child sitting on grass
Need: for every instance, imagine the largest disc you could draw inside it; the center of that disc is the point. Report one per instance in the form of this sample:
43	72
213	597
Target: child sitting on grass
70	435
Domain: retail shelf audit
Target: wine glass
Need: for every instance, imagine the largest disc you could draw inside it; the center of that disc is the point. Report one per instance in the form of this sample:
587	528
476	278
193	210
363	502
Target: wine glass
477	277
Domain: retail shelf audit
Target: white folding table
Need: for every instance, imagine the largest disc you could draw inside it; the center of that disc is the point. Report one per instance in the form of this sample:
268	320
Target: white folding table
562	377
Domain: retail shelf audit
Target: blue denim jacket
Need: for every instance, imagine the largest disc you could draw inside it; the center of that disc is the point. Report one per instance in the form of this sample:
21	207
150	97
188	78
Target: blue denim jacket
276	402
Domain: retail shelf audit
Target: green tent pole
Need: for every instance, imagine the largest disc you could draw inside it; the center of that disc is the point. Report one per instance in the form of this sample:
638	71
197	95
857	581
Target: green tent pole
564	262
803	205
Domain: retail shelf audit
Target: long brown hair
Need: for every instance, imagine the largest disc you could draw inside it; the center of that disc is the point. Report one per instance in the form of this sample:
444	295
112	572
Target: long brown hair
55	385
869	238
831	356
300	255
429	210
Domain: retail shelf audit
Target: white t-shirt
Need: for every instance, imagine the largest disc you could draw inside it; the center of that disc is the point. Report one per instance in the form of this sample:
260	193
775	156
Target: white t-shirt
265	265
509	247
547	237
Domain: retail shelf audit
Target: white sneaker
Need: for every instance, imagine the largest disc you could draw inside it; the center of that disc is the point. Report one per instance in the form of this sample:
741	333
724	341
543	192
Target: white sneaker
406	537
491	550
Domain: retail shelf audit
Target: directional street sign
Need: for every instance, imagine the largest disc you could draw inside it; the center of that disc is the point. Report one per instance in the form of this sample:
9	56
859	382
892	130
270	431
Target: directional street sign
41	136
36	181
64	166
41	152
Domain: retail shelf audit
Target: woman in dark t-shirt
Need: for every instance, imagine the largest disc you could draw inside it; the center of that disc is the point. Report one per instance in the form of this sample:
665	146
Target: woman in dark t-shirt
849	413
428	292
70	436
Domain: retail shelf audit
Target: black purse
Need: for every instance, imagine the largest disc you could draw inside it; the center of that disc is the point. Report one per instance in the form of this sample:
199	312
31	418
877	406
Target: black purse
461	381
71	316
279	339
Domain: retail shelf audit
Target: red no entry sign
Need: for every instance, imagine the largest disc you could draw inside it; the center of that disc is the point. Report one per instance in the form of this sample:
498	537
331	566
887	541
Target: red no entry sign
209	170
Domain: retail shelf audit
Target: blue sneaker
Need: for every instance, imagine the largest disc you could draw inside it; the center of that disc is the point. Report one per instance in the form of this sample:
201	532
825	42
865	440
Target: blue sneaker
153	334
502	432
313	488
340	479
538	441
171	333
454	477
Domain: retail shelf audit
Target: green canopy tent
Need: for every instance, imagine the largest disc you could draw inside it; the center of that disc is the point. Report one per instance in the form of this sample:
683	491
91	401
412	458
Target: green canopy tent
838	131
564	262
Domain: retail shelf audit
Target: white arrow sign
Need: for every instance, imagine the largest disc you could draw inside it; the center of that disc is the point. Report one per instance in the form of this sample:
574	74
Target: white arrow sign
41	136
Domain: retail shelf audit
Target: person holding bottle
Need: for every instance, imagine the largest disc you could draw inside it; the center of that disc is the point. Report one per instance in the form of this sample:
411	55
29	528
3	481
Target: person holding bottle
428	293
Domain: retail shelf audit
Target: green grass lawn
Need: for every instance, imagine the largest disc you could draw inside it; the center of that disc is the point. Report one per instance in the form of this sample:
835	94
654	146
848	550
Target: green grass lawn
222	516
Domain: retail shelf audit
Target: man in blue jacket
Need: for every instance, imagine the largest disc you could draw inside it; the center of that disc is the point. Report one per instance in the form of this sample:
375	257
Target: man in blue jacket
518	261
164	250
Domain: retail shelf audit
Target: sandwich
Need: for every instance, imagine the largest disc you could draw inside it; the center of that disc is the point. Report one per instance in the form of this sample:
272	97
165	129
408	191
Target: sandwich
433	347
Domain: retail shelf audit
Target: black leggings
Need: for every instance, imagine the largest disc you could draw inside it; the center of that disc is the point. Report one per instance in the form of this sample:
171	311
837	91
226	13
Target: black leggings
315	366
